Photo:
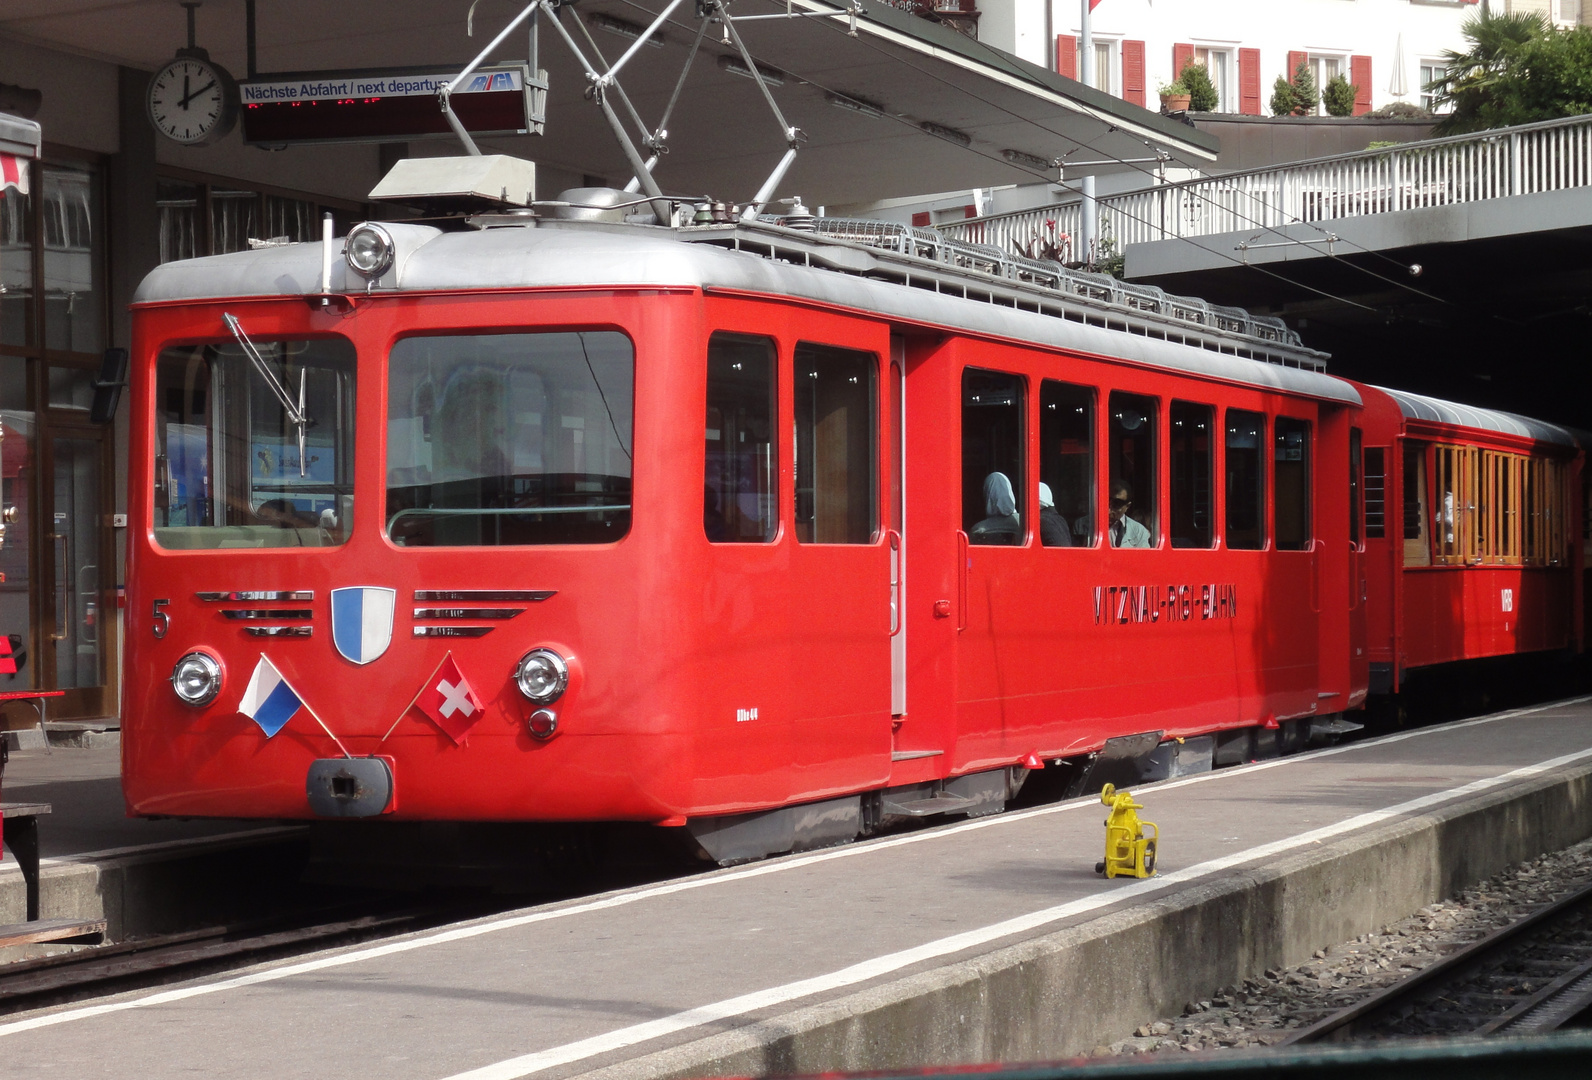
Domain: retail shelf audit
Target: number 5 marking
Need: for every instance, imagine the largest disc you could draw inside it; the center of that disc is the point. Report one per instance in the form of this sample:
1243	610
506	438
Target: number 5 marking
162	620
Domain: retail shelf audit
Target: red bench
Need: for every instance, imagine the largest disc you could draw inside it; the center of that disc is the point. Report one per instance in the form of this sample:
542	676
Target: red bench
42	697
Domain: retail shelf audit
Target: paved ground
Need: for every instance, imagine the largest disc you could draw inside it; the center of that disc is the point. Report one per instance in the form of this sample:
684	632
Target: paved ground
84	789
565	989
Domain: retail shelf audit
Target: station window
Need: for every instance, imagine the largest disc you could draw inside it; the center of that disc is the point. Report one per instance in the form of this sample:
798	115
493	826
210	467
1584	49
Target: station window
1067	463
1354	486
740	503
1132	520
1417	551
1191	474
993	453
1375	493
837	426
509	439
1291	475
1246	480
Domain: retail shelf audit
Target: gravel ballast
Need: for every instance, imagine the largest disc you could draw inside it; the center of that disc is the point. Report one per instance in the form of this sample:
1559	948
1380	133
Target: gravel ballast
1267	1010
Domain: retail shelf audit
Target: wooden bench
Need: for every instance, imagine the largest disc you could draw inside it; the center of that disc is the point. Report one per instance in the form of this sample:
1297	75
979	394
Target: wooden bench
42	697
21	835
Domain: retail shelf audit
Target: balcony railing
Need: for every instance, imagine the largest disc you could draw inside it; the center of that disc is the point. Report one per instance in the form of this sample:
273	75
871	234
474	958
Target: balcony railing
1550	156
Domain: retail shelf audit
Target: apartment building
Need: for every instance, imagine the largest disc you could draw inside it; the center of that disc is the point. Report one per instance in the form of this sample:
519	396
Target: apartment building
1388	48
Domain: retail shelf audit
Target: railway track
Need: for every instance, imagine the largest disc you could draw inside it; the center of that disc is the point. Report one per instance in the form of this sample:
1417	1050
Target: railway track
109	969
1532	976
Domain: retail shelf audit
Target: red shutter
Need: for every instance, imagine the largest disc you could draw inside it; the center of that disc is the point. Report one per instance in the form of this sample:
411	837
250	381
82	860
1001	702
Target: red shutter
1249	82
1133	72
1181	55
921	220
1067	55
1360	76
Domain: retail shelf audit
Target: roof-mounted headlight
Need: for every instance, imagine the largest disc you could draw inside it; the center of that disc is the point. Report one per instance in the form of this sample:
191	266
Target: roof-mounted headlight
369	249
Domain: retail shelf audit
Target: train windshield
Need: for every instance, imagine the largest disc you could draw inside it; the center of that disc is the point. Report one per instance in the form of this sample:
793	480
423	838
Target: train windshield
501	439
234	466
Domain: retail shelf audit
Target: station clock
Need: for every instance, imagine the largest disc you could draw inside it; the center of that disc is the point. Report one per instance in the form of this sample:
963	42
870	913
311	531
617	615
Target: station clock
193	100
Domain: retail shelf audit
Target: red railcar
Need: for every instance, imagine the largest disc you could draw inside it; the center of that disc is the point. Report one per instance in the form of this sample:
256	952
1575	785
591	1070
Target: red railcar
1471	544
771	533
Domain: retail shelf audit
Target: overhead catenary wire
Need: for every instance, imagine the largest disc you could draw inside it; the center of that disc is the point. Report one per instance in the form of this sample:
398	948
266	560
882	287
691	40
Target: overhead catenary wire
1228	256
1139	168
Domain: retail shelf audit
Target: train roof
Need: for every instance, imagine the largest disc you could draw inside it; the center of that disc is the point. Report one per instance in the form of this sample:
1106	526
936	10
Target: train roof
932	283
1436	410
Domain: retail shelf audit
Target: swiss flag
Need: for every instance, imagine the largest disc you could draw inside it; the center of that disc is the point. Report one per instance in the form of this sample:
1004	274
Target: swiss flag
1093	4
449	701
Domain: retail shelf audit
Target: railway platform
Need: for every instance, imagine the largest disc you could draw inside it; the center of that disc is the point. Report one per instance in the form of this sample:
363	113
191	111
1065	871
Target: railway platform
97	863
992	939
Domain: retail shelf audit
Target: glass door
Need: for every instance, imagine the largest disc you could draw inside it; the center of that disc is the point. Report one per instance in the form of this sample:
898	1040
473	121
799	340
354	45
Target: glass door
72	562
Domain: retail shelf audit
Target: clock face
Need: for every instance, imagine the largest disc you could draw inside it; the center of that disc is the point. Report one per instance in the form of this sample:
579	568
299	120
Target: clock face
190	101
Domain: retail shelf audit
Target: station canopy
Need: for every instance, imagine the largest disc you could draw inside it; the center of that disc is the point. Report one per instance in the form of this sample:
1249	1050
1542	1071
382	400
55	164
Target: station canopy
903	106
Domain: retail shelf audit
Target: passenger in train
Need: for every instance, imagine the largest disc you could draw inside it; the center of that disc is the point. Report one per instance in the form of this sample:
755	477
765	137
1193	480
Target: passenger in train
1001	524
1053	528
1125	532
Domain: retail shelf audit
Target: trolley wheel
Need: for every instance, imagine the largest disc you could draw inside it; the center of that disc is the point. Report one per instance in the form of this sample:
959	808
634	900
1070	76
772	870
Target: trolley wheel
1149	857
1100	867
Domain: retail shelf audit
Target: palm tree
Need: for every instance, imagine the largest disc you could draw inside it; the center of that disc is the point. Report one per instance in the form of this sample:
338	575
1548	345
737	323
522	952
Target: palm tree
1470	78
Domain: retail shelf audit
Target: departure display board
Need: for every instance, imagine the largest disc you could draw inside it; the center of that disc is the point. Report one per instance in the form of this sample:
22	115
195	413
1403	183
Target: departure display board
387	106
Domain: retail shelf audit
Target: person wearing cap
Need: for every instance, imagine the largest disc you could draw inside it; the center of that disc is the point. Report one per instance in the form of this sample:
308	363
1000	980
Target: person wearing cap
1053	530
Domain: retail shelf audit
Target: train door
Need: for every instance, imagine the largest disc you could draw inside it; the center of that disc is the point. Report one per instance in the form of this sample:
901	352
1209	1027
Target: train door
844	555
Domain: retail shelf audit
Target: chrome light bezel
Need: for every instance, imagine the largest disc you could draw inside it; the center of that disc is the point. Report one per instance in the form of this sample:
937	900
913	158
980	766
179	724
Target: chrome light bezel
210	667
384	249
549	694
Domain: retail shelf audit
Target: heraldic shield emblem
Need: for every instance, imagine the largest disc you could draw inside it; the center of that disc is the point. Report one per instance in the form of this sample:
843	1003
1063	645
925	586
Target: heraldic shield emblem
362	621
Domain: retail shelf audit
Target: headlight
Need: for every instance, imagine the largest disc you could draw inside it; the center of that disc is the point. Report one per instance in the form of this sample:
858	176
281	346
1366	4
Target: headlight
369	249
542	676
196	679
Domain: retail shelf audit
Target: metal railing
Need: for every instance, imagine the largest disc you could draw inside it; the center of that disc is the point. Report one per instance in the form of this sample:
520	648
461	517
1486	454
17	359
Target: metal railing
1549	156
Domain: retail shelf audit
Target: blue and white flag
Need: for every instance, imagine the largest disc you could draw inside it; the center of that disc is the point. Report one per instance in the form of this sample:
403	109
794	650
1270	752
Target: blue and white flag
269	701
362	621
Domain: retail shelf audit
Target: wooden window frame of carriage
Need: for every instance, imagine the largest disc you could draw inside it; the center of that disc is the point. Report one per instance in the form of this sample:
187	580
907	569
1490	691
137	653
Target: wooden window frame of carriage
1508	508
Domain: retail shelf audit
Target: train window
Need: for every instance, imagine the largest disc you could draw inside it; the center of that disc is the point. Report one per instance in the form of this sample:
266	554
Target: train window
1191	474
1291	475
1132	494
740	504
230	469
1066	464
508	439
1499	525
994	450
1417	550
837	435
1354	486
1375	493
1246	480
1454	489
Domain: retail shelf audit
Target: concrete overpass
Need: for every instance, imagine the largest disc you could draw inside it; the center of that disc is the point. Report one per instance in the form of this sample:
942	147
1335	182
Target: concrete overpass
1499	224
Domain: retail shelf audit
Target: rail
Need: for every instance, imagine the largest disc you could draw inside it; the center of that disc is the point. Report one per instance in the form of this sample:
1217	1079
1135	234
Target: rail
1554	155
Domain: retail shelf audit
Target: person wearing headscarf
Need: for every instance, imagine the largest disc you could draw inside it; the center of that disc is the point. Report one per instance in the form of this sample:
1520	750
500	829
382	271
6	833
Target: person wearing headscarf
1001	524
1053	529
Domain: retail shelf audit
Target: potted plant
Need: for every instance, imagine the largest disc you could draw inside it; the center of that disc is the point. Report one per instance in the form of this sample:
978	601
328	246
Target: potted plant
1174	96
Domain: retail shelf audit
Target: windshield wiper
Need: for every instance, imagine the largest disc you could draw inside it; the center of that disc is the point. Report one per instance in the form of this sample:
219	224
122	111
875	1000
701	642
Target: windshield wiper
295	413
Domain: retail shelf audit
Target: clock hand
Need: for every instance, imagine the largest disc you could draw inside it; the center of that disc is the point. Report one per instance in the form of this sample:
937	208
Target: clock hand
189	97
184	101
